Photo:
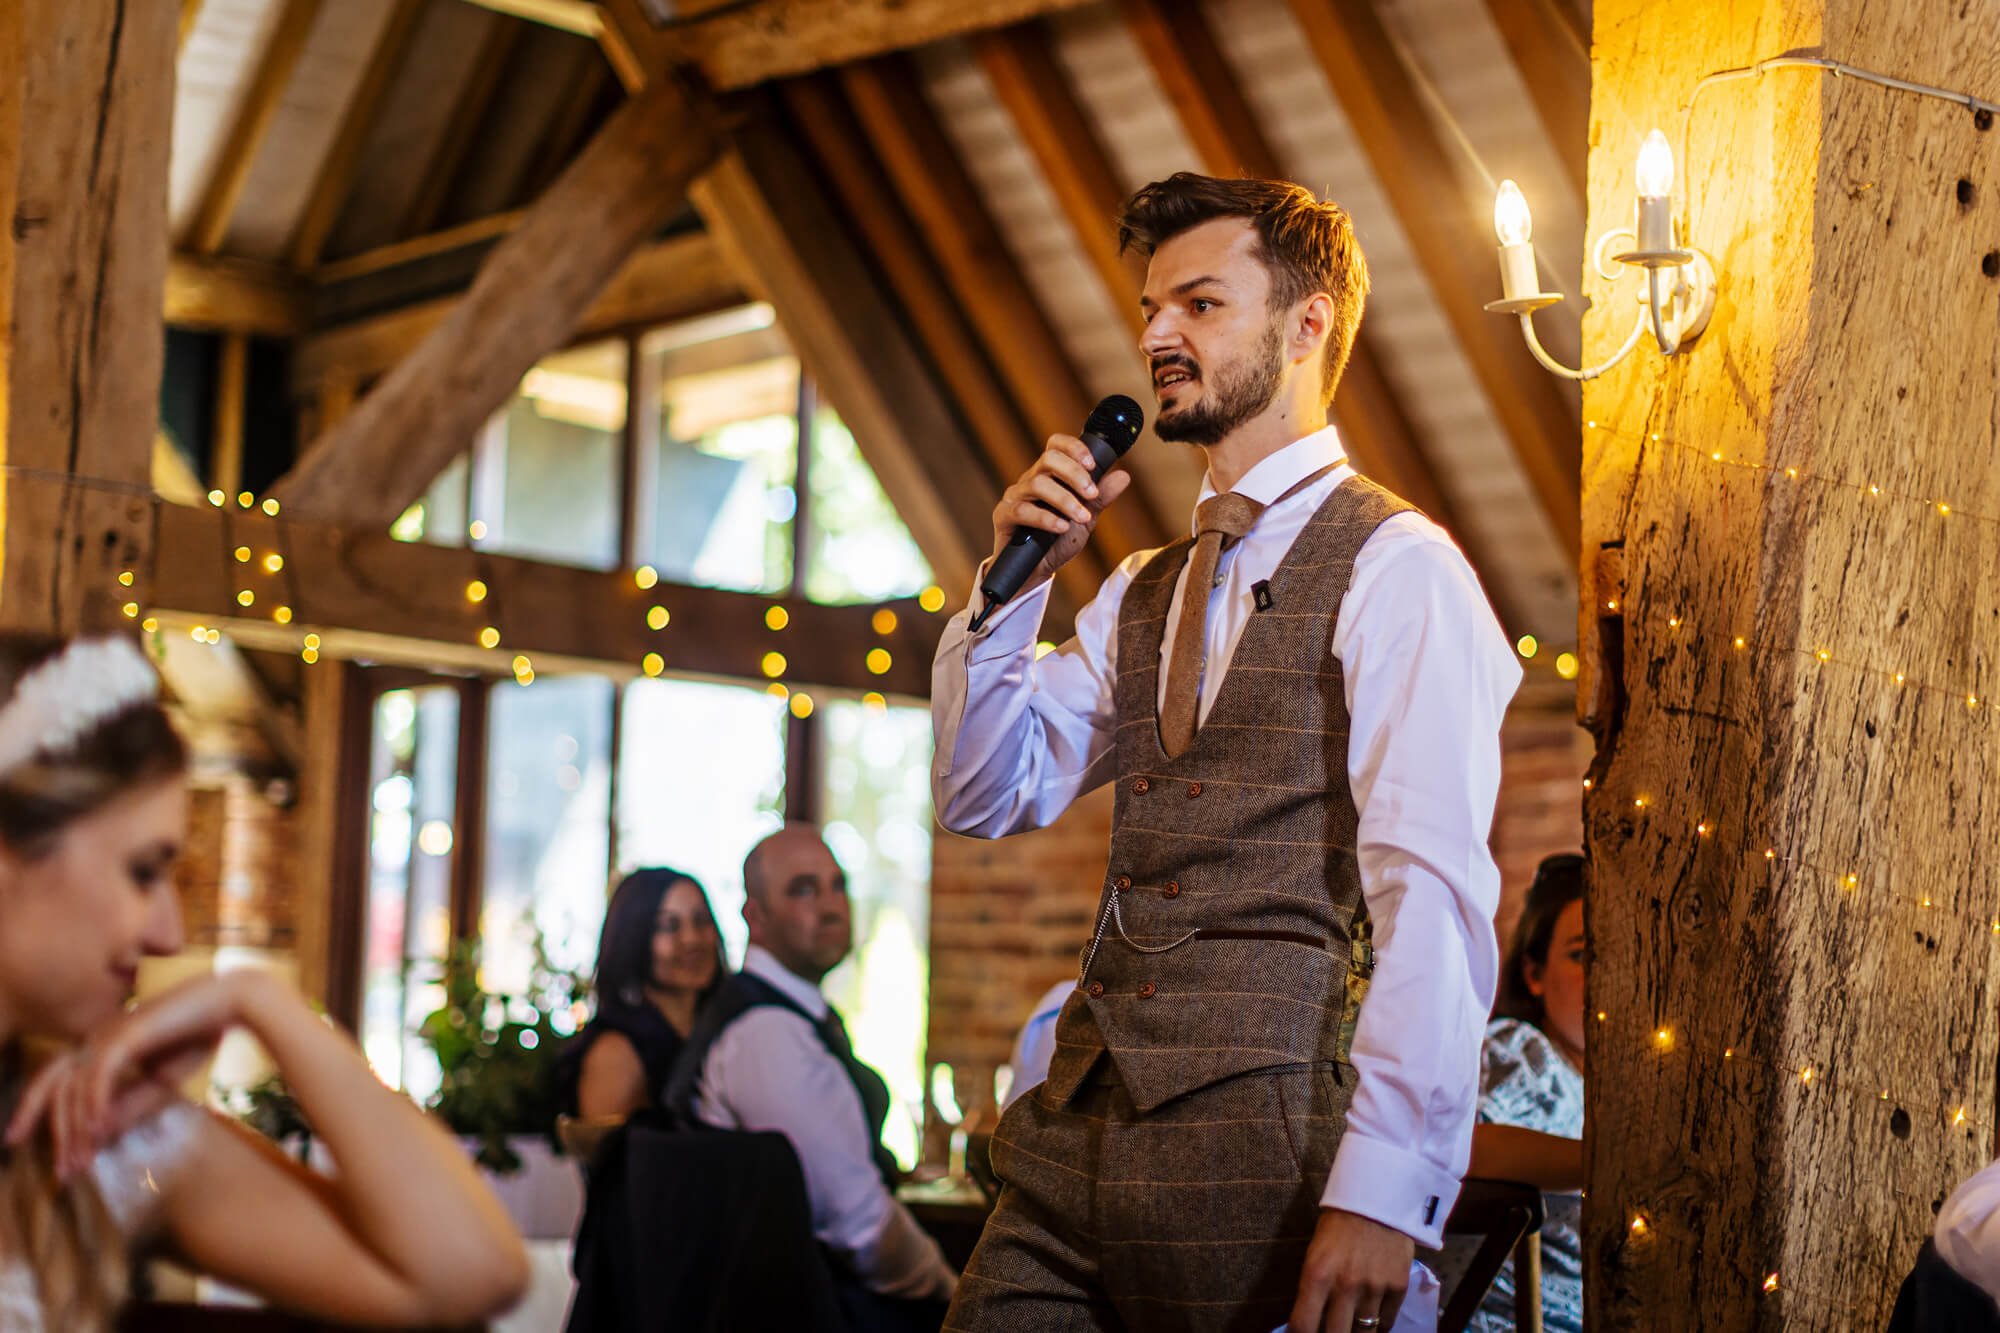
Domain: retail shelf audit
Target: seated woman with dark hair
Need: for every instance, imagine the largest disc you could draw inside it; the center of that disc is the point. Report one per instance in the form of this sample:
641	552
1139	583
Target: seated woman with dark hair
1530	1125
658	961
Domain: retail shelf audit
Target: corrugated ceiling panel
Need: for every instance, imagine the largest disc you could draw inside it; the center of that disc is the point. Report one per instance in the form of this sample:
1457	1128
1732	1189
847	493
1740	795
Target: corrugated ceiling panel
1461	436
1465	62
212	73
1099	343
304	128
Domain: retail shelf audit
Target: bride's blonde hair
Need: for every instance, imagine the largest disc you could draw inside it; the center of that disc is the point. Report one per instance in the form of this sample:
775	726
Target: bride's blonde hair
63	1231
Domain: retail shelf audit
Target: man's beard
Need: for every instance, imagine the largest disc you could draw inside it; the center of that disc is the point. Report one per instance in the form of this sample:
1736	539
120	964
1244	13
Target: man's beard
1240	393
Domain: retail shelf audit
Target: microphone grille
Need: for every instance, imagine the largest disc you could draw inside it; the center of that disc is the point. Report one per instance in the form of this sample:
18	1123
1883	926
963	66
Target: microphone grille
1117	421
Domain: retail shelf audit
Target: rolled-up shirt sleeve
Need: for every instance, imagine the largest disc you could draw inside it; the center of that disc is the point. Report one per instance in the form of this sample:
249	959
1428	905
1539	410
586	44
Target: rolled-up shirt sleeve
1428	678
1019	736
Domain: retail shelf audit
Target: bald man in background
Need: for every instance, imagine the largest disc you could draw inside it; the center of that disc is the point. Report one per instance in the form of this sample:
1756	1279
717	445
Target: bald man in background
769	1053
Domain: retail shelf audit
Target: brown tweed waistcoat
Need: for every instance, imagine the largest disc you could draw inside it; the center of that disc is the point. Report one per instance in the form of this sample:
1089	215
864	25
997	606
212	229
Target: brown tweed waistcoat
1226	930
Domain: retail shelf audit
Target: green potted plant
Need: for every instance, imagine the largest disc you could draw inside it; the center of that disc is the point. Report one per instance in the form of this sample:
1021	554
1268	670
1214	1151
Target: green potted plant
497	1054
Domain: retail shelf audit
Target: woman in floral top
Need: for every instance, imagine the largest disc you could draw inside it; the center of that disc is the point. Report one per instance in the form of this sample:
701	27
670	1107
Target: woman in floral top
1531	1091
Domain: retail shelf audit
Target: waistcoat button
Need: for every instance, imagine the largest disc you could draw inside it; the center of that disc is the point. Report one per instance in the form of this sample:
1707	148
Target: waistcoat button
1194	790
1141	786
1147	990
1096	990
1122	883
1173	889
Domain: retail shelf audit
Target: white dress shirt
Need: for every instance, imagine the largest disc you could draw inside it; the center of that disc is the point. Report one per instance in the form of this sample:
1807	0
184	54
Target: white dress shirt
769	1070
1968	1230
1428	677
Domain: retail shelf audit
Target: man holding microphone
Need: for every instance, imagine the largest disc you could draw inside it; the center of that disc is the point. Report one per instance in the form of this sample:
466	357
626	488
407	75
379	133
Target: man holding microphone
1300	705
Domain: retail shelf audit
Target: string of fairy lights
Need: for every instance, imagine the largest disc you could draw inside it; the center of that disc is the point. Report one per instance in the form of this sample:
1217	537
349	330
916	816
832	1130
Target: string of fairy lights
1968	699
265	578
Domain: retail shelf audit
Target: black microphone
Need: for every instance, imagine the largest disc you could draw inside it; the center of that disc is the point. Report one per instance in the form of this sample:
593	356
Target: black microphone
1113	426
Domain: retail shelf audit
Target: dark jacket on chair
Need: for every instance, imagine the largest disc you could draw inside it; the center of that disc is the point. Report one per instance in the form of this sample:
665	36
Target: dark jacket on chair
699	1231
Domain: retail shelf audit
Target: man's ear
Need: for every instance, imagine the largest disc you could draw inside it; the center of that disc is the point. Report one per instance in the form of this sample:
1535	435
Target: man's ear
1312	326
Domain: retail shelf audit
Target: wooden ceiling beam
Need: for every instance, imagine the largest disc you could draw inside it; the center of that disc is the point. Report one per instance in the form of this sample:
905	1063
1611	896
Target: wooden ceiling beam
940	196
825	121
398	253
527	299
468	118
343	160
780	38
1021	64
1202	86
577	16
253	120
1555	66
1454	245
675	279
235	296
366	594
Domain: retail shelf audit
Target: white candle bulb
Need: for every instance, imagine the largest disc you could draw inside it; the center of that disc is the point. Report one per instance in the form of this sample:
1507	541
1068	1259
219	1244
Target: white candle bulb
1511	220
1656	167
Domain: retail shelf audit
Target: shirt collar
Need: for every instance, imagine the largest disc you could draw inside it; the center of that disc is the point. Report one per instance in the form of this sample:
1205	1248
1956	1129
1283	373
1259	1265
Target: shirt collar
1284	469
759	963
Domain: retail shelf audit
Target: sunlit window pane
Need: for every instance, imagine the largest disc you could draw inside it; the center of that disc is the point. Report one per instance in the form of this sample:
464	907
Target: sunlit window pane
728	452
859	551
441	517
548	824
413	787
702	780
876	801
547	483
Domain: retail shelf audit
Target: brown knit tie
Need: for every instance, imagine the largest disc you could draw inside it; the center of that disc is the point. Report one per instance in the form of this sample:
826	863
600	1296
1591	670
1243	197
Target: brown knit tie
1218	522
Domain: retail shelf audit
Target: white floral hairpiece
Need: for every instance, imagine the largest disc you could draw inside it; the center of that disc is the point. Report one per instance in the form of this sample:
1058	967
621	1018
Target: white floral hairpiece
59	702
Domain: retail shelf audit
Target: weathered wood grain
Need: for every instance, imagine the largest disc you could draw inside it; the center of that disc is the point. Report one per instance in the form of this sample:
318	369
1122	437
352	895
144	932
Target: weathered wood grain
1852	340
86	109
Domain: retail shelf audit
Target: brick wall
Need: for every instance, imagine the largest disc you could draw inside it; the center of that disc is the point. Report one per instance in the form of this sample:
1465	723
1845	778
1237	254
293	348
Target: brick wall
1543	755
1008	917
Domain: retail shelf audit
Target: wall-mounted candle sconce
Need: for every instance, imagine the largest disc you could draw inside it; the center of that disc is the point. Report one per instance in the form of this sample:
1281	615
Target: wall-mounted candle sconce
1679	295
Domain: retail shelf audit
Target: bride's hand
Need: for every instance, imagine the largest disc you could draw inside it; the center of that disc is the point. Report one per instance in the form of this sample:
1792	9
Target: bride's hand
127	1071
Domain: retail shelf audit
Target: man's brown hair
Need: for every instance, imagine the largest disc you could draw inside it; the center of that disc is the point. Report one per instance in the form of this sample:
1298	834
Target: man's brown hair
1307	244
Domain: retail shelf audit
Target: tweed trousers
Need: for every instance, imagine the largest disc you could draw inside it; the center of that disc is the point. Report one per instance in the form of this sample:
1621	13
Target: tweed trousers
1195	1216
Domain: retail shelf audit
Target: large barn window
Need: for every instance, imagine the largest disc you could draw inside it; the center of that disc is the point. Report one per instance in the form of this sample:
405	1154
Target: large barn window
701	777
705	451
702	449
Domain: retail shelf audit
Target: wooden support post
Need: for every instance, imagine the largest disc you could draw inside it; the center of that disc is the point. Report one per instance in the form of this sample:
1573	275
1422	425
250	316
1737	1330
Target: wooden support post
1794	1044
529	295
232	387
86	109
